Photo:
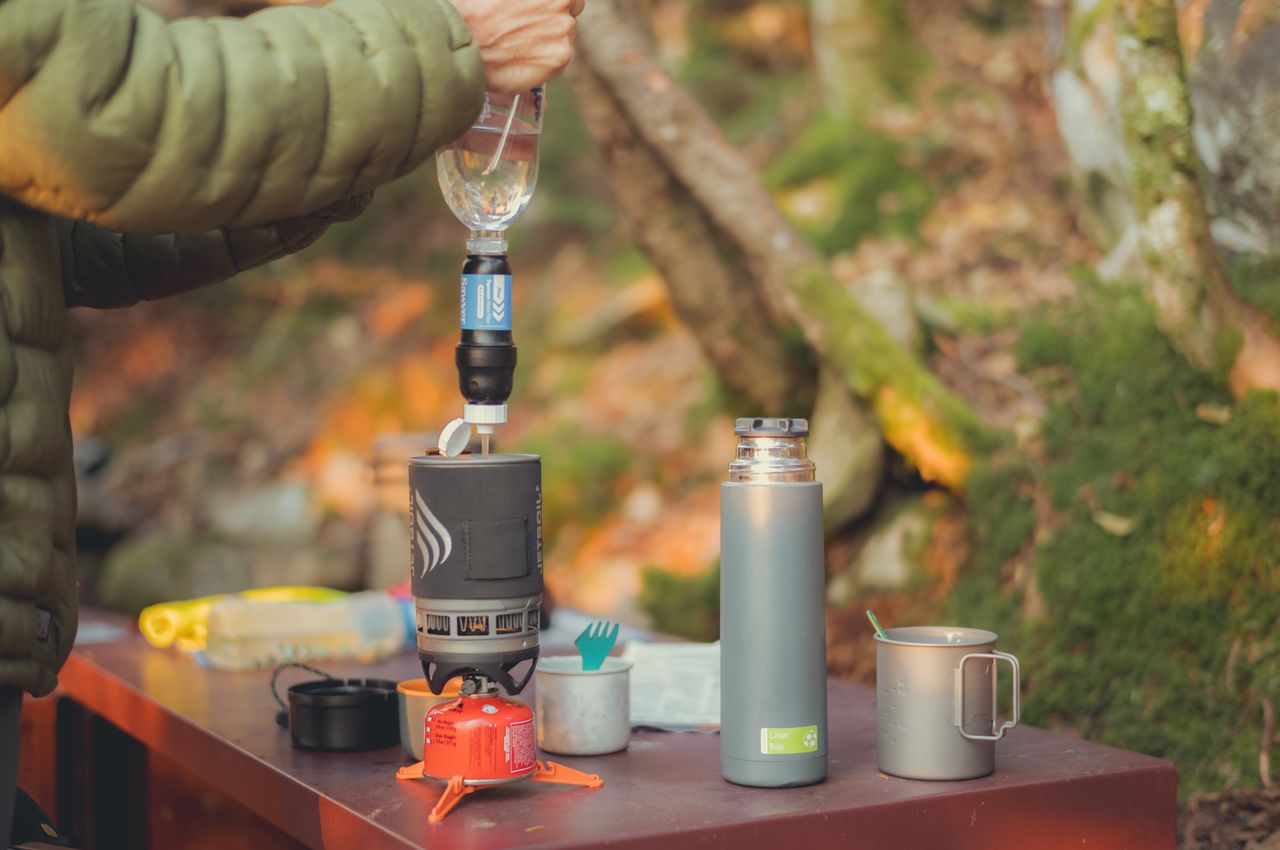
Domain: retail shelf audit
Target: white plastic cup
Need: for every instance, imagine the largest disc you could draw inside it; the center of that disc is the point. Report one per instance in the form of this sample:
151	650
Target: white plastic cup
582	712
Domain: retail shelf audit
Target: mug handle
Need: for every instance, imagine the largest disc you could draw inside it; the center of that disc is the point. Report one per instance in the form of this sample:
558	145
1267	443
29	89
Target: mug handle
996	656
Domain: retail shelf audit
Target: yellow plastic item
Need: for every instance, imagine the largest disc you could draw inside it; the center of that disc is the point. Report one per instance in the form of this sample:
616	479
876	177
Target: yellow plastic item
186	622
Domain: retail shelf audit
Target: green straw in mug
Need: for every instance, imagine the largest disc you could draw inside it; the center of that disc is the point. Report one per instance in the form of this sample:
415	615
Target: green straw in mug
875	621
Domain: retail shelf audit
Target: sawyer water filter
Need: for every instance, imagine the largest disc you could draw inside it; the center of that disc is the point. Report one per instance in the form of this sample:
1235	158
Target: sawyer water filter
487	177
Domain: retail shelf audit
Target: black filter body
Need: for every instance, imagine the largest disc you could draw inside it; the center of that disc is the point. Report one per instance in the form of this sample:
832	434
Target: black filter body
486	358
476	560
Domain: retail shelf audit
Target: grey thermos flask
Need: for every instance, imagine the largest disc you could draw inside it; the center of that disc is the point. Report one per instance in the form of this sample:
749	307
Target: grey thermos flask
773	651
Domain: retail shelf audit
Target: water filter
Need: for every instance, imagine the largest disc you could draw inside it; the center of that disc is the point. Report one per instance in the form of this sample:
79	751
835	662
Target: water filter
773	655
487	176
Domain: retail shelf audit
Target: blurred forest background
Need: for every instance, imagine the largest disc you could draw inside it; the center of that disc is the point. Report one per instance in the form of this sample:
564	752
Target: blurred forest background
1017	261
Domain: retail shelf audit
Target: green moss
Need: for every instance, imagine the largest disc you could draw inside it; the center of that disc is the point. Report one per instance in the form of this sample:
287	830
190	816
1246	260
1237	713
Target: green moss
1257	280
626	265
1226	349
1042	342
918	416
580	473
875	191
687	607
744	90
1002	522
1156	106
962	316
896	59
1081	25
1134	645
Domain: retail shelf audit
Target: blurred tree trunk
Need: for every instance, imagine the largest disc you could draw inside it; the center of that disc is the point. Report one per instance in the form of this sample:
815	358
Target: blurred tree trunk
863	52
732	324
771	264
1125	110
1186	278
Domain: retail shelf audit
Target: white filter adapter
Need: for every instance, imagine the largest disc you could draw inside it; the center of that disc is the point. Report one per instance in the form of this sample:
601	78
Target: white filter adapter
484	416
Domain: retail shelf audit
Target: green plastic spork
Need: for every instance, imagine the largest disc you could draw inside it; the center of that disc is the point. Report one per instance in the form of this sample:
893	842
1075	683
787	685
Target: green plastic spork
595	642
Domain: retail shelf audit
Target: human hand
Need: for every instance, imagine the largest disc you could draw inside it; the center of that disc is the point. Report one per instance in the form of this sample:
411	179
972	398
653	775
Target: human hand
522	42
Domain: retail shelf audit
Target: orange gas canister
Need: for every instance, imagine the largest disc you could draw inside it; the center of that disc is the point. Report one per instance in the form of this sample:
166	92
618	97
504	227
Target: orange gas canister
483	738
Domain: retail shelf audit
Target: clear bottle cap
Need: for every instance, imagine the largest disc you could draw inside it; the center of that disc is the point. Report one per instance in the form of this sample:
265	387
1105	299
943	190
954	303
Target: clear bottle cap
486	243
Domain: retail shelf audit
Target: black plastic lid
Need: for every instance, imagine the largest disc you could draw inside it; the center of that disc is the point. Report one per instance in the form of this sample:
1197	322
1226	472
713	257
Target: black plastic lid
344	714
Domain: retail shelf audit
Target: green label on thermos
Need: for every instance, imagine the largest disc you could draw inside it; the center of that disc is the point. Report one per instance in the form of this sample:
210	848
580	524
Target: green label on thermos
781	742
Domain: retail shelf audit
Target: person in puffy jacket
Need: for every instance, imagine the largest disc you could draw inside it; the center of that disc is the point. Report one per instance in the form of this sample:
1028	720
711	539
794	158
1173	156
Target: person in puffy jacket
141	158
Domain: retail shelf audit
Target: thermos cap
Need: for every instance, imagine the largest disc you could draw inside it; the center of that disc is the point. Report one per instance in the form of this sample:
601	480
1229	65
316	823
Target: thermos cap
771	451
771	427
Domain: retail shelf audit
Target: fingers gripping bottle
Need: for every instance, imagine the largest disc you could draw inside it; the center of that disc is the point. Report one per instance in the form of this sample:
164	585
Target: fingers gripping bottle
773	658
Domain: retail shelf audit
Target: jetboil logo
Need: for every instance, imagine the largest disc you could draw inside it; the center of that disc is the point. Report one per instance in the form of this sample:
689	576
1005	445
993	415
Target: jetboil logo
430	536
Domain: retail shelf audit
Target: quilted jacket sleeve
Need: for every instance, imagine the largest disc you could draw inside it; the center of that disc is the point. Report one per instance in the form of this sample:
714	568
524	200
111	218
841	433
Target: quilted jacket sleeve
110	115
105	268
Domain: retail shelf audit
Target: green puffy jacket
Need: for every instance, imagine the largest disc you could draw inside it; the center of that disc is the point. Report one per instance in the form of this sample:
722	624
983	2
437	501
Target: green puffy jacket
140	158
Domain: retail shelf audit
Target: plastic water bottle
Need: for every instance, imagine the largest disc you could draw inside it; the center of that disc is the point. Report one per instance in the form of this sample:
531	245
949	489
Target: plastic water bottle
244	634
487	176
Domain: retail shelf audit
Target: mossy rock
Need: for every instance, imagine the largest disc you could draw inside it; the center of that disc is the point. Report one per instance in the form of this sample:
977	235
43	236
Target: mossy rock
891	556
1160	568
846	446
684	606
858	182
169	565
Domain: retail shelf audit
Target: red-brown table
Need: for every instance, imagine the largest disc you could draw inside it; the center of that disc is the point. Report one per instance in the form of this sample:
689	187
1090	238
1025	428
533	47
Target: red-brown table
1049	791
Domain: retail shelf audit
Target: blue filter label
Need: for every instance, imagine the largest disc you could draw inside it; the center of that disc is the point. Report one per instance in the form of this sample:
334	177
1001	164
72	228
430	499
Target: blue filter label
486	302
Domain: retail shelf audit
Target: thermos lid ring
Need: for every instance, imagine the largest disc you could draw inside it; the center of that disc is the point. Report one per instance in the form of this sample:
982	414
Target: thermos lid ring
770	427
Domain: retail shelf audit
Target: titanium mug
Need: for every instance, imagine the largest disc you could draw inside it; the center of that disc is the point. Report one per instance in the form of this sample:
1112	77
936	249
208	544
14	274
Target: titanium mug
582	712
935	698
